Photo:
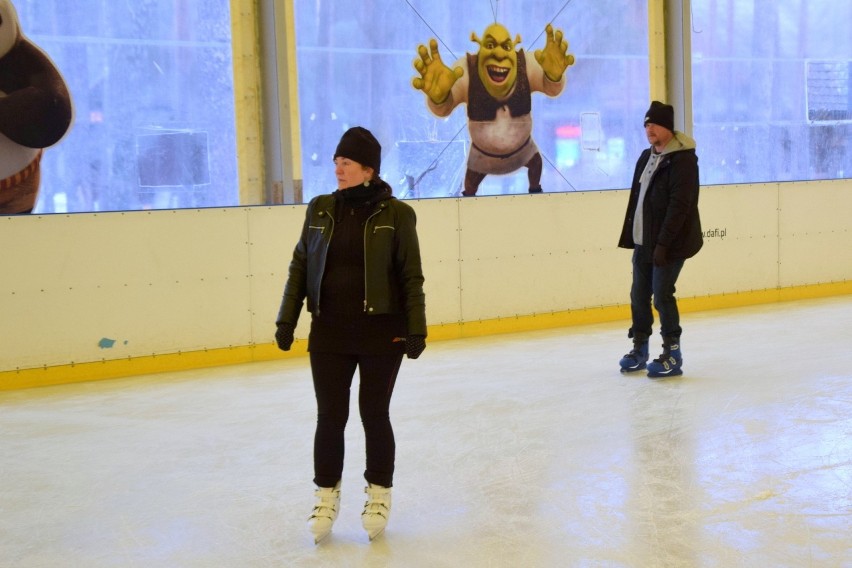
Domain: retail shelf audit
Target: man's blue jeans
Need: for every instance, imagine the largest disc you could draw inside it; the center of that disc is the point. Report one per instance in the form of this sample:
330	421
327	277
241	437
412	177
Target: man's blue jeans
659	282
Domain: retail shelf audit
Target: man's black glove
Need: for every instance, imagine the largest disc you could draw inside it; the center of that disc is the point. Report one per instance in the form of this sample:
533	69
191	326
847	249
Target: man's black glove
414	346
284	335
660	256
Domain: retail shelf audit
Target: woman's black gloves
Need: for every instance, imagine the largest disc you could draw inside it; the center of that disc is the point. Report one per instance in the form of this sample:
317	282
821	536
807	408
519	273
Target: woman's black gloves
284	335
414	346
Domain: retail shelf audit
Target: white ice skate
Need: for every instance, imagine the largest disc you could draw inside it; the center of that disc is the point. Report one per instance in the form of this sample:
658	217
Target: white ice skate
325	511
376	509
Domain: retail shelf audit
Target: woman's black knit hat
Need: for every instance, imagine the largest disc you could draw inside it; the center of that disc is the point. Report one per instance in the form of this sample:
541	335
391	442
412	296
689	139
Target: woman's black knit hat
360	145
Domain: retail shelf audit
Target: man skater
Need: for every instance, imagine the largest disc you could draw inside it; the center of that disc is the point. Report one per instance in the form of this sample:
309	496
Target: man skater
662	227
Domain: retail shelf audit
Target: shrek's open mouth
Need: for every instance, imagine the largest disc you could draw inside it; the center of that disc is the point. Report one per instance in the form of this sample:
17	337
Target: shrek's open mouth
497	74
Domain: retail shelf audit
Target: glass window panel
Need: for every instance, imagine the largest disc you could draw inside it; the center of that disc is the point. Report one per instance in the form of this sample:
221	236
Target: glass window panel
771	89
354	71
151	82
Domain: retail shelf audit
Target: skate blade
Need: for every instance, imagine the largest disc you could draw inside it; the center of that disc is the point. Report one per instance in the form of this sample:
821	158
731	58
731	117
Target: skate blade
319	537
375	534
663	375
633	369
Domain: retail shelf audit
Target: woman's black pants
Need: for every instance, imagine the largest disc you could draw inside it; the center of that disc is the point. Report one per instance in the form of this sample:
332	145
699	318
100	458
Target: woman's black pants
332	374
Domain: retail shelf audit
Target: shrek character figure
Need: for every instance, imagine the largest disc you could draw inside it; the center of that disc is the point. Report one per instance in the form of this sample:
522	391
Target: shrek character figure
496	83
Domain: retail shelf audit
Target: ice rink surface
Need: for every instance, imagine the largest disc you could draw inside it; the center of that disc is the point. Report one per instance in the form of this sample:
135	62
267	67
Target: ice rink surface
520	450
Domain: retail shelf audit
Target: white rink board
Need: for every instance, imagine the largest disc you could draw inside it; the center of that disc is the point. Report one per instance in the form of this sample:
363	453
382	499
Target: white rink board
91	287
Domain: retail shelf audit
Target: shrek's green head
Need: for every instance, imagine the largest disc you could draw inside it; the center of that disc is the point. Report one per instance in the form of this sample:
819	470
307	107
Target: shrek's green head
498	60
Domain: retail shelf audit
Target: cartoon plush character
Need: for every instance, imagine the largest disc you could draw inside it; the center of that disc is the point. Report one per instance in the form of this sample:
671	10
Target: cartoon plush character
35	113
496	83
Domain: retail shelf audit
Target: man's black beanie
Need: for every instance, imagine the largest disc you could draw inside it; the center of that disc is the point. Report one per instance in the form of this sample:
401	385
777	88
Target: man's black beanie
661	115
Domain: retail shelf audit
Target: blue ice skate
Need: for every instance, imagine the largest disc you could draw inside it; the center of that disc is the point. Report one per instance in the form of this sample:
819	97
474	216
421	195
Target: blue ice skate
637	359
669	363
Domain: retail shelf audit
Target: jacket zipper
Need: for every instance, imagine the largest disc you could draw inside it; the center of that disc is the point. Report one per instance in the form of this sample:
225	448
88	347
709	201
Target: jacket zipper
366	229
327	244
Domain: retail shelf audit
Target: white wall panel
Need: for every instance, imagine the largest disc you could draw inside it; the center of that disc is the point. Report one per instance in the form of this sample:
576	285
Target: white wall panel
89	287
534	284
438	229
541	253
740	250
273	233
600	278
521	225
814	243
